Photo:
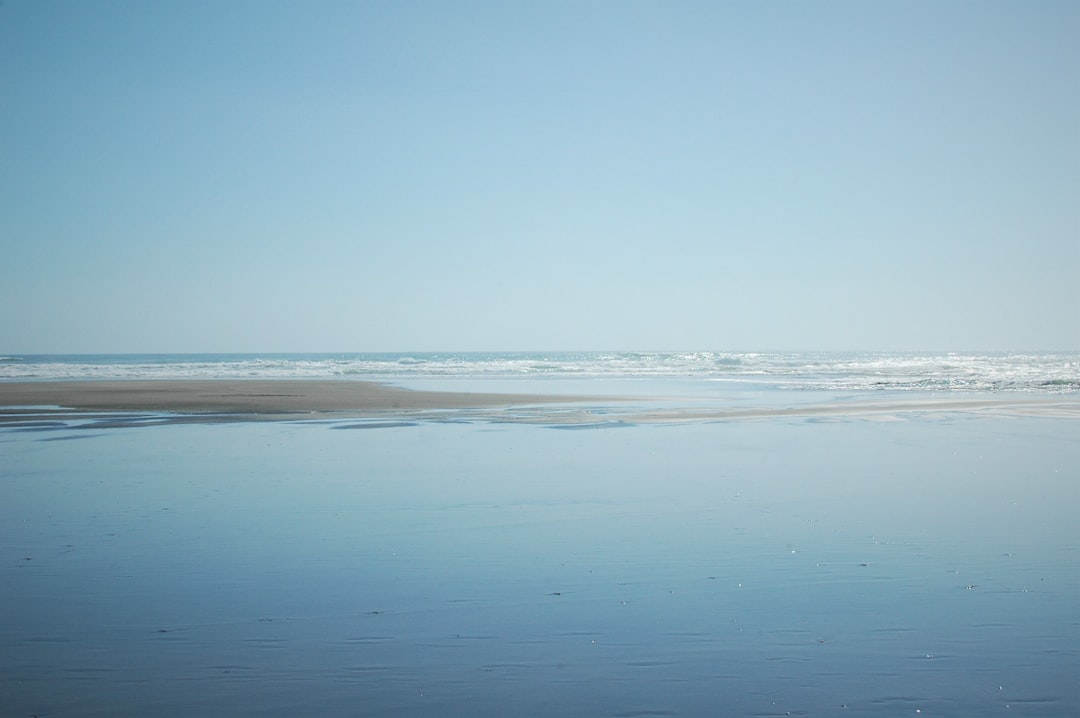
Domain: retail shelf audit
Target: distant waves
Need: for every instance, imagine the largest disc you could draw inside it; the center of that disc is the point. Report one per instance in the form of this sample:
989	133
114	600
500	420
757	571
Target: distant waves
1050	372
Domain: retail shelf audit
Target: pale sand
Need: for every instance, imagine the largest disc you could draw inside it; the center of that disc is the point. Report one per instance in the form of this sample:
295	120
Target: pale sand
299	398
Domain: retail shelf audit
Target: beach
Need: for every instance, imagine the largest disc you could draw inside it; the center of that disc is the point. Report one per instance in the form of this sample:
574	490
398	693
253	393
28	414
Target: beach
334	546
274	397
562	359
284	399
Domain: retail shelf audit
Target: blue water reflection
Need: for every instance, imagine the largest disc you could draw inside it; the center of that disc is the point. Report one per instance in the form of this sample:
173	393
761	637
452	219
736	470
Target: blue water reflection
742	568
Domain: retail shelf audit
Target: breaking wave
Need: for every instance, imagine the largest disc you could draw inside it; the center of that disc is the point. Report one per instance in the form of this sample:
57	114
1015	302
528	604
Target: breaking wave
1044	372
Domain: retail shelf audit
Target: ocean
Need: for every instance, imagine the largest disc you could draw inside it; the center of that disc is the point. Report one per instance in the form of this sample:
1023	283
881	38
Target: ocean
889	564
828	371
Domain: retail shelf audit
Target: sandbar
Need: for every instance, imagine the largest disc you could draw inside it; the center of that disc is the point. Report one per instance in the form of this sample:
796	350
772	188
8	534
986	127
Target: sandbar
276	399
252	396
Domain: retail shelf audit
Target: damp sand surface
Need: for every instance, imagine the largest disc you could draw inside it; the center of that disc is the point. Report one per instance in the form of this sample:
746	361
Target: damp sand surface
390	564
187	400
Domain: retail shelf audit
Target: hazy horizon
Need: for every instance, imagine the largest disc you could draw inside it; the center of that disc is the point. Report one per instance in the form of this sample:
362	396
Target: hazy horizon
554	352
481	176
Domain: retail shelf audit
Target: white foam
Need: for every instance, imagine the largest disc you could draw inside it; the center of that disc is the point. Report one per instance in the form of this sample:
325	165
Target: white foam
1038	372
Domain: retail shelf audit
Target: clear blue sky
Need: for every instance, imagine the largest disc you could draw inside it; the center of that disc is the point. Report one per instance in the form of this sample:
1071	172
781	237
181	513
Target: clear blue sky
380	176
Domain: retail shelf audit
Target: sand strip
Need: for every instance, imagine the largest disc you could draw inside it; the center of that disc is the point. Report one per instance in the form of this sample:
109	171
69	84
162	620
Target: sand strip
252	396
247	399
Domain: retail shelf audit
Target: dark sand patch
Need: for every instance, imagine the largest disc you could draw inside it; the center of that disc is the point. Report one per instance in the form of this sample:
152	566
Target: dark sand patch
252	397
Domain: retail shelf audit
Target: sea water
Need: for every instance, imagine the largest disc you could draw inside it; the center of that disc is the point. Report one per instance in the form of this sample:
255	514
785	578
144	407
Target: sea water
924	565
844	371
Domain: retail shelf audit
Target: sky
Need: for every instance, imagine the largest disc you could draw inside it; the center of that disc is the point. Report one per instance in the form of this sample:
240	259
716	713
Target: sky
538	175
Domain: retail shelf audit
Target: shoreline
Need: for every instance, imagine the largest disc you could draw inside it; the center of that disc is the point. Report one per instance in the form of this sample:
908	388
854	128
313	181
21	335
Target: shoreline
294	399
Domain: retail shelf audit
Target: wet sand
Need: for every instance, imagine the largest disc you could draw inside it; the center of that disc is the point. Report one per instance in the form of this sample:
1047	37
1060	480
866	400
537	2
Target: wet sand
253	396
764	552
269	399
490	568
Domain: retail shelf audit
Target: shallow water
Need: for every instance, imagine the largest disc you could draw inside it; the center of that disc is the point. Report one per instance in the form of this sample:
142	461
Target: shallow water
773	567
